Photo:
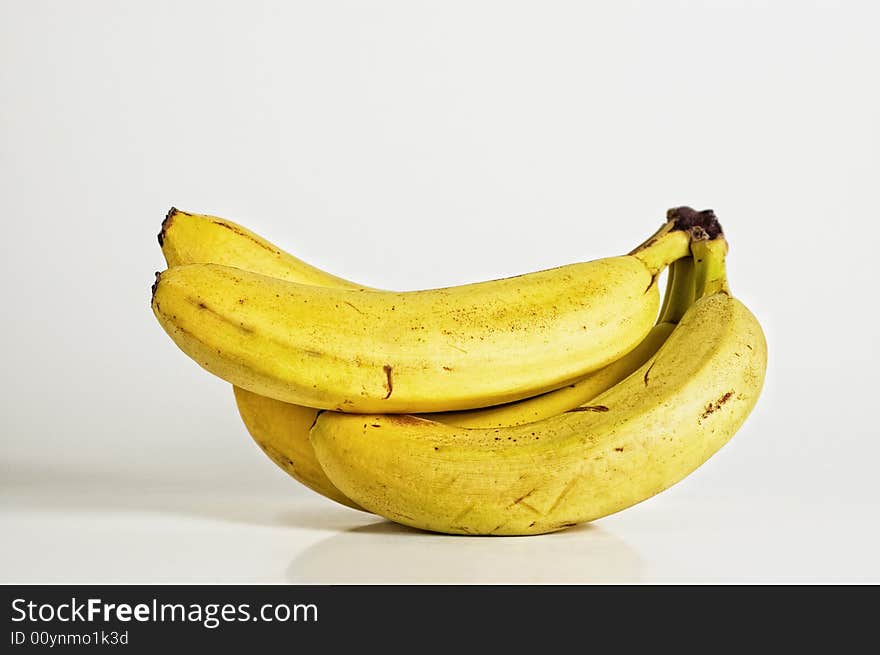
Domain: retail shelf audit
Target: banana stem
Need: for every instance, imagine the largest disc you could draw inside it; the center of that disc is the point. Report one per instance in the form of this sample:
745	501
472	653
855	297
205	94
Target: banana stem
667	296
658	253
710	263
680	291
672	241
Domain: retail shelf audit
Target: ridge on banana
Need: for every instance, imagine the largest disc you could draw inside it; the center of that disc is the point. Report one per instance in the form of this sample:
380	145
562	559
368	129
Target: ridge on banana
360	350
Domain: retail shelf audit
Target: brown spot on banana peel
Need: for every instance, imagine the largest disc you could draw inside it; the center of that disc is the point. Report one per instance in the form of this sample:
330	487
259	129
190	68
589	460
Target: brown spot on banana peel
467	510
714	407
277	456
699	234
523	497
588	408
154	287
182	331
354	307
531	508
404	419
315	420
389	384
201	305
241	233
568	487
166	224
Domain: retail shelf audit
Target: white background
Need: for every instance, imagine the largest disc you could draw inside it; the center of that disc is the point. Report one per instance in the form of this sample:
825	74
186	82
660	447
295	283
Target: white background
409	145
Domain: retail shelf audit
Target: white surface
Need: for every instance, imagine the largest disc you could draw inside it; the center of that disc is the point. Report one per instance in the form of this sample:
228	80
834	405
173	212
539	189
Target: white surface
412	145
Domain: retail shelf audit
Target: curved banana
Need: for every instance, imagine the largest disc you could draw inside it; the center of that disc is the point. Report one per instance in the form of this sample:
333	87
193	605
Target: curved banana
679	296
436	350
187	238
653	429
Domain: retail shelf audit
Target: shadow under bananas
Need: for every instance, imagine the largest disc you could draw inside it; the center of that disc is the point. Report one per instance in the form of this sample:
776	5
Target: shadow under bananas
387	553
361	548
26	485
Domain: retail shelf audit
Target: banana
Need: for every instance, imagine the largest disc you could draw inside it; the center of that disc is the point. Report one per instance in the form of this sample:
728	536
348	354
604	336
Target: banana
187	238
679	296
436	350
647	433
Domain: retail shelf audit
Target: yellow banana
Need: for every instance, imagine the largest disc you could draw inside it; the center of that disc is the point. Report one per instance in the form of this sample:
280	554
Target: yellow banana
437	350
679	296
188	238
651	430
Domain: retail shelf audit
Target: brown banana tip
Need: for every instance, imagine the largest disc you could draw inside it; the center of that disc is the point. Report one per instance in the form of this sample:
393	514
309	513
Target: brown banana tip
686	219
155	286
166	224
698	233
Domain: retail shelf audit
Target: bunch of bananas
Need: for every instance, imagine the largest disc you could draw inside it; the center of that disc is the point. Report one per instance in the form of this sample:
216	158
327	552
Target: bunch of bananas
515	406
